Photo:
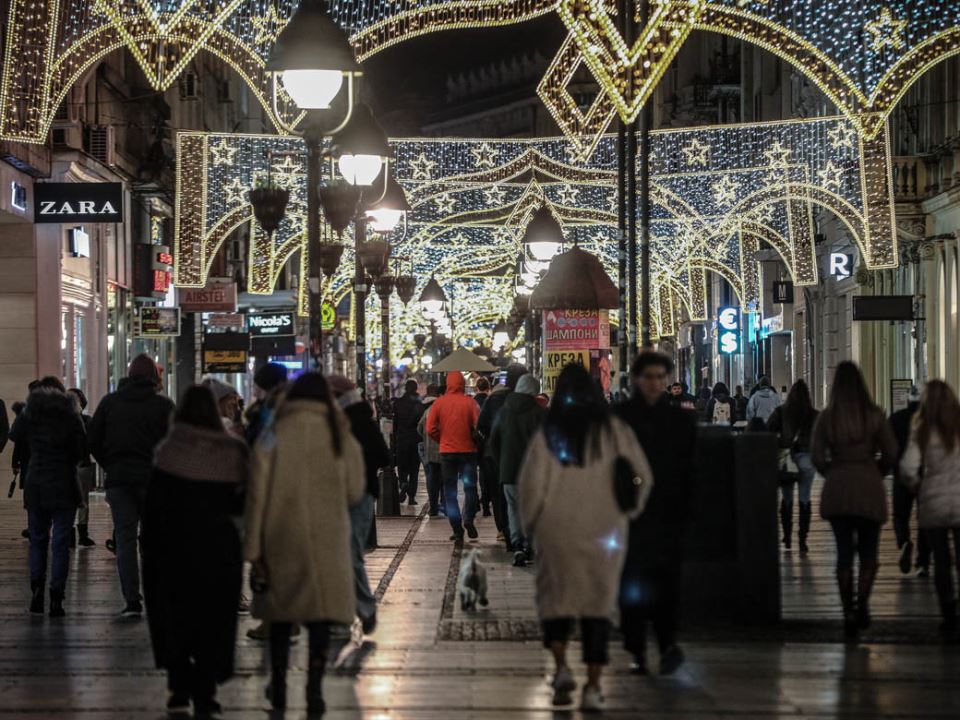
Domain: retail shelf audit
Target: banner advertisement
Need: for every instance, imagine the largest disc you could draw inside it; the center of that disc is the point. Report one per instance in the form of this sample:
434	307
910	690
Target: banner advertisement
278	324
158	322
576	329
77	202
555	360
224	361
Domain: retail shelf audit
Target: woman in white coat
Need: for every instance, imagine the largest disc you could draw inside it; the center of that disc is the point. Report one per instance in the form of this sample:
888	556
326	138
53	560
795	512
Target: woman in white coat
306	473
569	506
931	468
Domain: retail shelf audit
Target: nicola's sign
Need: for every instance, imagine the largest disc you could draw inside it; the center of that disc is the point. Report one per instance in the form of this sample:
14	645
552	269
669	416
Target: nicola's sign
78	202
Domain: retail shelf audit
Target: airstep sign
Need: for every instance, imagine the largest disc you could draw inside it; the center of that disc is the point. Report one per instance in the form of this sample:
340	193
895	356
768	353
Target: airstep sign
554	361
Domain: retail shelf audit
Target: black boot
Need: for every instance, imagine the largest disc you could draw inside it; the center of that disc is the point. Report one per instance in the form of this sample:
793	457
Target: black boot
73	538
36	602
56	604
316	707
277	689
806	510
845	585
786	522
84	532
868	573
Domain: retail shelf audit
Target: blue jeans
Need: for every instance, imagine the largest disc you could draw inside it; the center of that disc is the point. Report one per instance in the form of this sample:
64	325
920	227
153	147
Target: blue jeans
361	517
39	523
805	483
462	467
511	493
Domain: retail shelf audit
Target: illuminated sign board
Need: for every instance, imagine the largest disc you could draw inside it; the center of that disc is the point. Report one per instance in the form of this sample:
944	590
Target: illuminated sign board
841	265
728	330
271	324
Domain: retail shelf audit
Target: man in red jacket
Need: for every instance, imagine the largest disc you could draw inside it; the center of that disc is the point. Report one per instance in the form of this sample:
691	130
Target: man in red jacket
452	422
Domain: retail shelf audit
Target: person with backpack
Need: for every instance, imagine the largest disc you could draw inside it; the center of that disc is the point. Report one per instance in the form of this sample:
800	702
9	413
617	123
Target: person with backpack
793	423
721	409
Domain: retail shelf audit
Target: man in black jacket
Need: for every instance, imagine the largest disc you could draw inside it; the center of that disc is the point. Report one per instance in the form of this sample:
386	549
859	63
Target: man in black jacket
376	455
488	414
650	585
407	410
127	426
903	498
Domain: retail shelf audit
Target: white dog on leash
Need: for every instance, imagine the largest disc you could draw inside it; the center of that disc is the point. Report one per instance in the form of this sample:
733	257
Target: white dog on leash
472	582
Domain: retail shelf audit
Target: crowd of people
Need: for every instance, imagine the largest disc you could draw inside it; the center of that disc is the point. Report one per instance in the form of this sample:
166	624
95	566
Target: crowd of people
288	488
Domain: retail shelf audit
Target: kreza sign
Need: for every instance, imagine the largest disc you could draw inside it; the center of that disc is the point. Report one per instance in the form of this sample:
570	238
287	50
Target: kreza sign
728	331
78	202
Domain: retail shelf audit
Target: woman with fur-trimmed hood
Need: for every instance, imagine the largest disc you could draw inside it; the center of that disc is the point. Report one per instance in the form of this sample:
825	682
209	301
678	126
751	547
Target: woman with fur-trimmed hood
51	427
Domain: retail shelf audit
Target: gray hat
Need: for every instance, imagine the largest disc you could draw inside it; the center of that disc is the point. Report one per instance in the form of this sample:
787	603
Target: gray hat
528	385
219	388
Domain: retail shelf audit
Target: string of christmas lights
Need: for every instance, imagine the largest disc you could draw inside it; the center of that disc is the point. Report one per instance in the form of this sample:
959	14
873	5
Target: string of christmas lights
719	194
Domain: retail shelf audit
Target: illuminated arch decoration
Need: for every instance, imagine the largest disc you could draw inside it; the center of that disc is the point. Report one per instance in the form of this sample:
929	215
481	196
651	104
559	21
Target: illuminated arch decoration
719	195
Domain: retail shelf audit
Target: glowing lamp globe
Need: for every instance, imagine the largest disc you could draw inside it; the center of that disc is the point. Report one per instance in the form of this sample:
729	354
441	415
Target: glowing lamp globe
312	89
360	169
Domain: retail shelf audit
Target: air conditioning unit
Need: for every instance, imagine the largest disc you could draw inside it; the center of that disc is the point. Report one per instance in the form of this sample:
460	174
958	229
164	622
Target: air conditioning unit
101	143
189	86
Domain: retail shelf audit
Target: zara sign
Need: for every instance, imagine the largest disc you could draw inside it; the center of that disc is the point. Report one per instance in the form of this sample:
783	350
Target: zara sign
78	202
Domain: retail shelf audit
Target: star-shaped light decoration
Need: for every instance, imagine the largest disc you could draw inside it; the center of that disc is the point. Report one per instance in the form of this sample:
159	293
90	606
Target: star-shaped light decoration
831	176
422	167
886	30
267	26
223	153
288	173
764	214
841	136
567	195
725	191
446	203
696	153
235	192
494	195
777	155
484	155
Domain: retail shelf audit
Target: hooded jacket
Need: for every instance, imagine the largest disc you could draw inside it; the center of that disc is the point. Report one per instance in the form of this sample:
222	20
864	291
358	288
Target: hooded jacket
721	395
431	448
762	404
127	426
407	410
518	420
453	418
51	426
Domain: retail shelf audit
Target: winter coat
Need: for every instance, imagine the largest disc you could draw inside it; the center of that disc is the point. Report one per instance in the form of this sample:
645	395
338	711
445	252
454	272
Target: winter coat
431	448
518	420
762	404
900	424
854	477
934	474
51	426
667	436
453	418
297	521
127	426
740	404
367	433
407	411
491	408
192	560
779	423
579	530
480	399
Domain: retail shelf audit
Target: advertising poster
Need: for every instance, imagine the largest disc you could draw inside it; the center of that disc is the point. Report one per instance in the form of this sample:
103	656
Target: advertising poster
576	329
159	322
555	360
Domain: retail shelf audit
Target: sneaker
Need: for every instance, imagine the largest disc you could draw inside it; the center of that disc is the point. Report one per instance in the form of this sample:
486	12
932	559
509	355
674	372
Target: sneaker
563	687
923	571
207	710
56	608
411	502
403	496
86	541
671	660
457	538
260	632
592	699
500	537
178	706
243	607
519	559
369	623
25	534
471	530
132	610
906	557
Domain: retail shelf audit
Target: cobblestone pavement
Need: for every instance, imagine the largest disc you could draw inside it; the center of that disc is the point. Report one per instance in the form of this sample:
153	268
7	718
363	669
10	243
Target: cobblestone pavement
430	661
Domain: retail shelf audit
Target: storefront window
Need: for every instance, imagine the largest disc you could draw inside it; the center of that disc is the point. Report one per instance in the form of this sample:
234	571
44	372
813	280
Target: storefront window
79	352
